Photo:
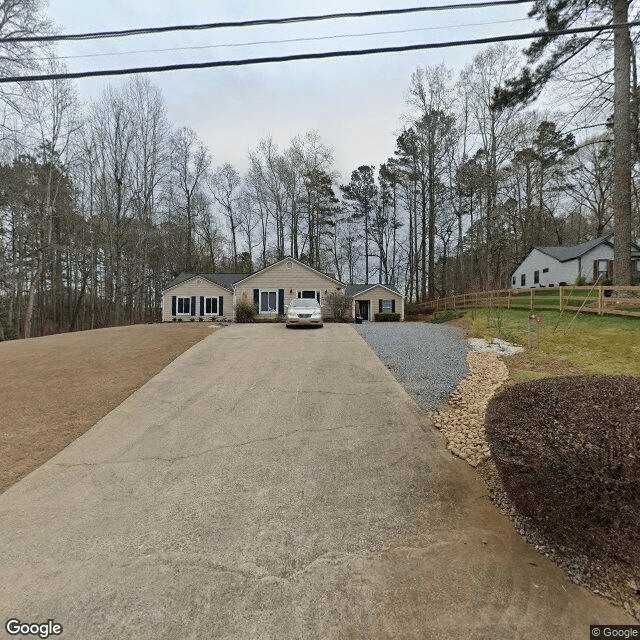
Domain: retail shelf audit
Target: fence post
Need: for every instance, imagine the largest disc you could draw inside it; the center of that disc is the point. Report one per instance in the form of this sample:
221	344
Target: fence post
509	299
561	294
533	295
600	300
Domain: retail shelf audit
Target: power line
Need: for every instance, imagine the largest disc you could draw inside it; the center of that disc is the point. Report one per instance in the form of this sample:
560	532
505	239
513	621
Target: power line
260	22
314	56
288	40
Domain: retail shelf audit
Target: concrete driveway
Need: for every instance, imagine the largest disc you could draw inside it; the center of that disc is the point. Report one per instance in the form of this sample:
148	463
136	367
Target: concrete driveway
274	484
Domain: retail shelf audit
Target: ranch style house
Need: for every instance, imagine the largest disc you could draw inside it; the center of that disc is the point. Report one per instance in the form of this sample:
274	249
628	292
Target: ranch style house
560	266
213	296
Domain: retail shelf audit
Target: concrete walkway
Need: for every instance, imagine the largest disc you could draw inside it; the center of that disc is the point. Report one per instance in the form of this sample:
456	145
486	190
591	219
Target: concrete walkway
274	484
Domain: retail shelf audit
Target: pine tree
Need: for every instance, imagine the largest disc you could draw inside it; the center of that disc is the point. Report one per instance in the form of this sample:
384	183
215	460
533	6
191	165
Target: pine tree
564	14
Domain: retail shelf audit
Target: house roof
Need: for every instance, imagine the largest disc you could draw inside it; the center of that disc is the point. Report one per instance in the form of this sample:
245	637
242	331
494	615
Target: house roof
563	254
355	289
224	280
227	280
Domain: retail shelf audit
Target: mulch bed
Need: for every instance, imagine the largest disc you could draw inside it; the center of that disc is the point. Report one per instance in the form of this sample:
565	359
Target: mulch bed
565	467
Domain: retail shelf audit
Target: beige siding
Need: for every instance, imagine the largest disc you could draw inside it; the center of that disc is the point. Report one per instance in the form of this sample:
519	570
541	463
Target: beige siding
197	286
293	279
377	293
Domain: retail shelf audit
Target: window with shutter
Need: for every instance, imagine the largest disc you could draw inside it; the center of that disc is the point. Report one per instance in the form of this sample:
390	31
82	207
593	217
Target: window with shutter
183	306
268	301
211	306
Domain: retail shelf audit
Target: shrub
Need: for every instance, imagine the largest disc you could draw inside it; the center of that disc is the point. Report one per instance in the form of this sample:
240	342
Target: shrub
568	454
580	281
245	311
386	317
449	314
414	309
339	306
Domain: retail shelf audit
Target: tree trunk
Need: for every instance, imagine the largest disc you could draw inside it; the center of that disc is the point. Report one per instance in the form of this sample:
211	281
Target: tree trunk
621	147
432	222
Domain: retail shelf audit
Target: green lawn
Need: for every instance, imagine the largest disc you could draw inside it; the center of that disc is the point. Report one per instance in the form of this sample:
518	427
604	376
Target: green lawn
551	298
586	343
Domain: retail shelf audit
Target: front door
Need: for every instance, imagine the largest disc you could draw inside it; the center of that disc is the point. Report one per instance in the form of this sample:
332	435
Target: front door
364	309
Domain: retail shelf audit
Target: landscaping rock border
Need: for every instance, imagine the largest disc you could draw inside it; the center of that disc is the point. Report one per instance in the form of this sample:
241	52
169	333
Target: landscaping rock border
462	423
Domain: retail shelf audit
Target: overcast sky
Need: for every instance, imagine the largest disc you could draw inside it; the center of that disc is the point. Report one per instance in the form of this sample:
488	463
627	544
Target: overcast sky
354	103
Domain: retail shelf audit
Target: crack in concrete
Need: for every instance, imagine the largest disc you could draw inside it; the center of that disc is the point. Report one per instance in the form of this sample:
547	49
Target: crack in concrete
212	450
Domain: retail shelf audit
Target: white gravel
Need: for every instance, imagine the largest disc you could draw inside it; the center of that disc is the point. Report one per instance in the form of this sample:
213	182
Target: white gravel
497	346
428	360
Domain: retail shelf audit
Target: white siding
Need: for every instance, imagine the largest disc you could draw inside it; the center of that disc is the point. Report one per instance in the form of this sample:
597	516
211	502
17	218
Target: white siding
197	286
601	252
290	275
538	261
374	295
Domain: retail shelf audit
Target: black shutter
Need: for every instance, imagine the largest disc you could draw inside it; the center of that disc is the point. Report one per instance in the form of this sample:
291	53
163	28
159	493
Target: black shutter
299	294
380	305
221	306
201	305
393	305
318	296
256	298
595	270
280	302
174	304
193	305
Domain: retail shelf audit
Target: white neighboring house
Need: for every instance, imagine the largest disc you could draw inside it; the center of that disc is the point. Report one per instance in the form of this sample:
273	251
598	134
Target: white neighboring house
560	266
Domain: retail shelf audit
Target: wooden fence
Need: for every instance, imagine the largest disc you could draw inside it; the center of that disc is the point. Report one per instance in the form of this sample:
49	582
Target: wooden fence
614	300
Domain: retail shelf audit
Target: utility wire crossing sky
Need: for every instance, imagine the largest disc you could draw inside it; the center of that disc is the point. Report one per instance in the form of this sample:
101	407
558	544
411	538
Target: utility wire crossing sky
357	104
260	22
314	56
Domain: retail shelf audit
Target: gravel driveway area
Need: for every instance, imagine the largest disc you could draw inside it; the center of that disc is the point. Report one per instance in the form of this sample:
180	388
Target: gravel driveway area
428	360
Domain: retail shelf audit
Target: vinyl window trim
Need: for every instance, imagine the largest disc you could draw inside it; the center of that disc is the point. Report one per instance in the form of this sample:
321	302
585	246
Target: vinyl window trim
211	313
188	305
261	311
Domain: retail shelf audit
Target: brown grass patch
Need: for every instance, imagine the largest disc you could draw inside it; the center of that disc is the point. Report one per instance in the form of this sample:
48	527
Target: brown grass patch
55	388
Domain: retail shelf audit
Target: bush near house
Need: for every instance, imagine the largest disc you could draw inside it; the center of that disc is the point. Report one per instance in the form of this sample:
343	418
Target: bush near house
568	454
245	311
339	306
386	317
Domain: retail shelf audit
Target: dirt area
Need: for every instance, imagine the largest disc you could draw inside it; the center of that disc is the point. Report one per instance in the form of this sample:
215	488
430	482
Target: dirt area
55	388
534	364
